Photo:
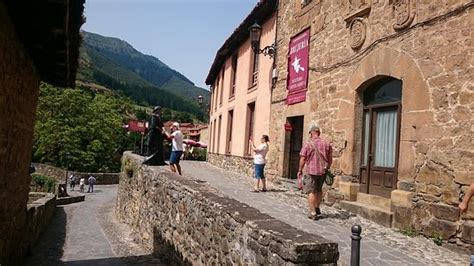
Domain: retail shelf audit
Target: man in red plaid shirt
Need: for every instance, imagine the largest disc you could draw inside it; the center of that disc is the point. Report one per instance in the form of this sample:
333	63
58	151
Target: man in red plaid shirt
316	155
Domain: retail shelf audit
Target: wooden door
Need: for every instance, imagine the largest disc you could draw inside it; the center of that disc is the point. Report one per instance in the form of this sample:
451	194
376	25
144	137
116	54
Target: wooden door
380	138
296	141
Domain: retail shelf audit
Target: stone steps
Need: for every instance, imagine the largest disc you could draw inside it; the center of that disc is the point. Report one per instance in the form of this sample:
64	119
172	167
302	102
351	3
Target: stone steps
377	201
369	211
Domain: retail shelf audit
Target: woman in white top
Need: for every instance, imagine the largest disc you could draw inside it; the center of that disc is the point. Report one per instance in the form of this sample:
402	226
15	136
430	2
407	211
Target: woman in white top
259	162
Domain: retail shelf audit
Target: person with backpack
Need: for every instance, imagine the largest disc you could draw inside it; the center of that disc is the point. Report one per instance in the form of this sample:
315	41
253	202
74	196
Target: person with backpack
316	159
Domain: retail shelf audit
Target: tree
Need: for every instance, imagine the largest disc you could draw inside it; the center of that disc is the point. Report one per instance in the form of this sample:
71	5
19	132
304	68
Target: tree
88	126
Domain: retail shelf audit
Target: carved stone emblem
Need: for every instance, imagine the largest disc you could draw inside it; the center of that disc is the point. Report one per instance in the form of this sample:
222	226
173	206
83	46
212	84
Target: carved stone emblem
358	33
404	13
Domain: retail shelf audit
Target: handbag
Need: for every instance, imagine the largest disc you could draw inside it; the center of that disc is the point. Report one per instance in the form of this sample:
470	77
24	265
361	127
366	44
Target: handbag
328	175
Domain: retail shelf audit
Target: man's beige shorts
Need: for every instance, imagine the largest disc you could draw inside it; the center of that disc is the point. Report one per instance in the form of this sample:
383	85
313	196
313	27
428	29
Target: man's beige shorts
313	183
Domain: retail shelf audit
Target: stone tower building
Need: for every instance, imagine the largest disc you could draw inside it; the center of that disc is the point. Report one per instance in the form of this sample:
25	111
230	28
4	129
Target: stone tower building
391	84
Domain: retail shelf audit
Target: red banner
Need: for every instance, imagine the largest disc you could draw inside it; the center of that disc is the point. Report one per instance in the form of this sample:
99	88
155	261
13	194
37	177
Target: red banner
298	62
137	126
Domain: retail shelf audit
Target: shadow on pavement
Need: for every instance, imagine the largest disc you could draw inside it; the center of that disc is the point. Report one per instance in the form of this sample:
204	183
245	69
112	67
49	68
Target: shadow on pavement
49	249
132	260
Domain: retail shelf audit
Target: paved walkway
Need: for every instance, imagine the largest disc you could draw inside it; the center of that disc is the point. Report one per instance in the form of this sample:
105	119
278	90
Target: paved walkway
87	233
380	245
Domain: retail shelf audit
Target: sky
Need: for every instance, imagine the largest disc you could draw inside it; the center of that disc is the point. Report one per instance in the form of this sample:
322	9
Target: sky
184	34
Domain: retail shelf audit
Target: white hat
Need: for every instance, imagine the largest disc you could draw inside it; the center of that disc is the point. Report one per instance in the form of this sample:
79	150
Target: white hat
176	124
314	127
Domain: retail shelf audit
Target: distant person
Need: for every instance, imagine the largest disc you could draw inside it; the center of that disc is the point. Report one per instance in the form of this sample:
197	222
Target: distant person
72	181
82	182
464	205
259	162
154	147
176	137
316	158
91	182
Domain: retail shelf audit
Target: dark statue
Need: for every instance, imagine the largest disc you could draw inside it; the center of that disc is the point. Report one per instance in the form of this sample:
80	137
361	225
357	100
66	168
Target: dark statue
154	147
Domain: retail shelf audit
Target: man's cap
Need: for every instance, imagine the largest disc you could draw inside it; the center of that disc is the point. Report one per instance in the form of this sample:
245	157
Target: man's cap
176	124
314	127
156	108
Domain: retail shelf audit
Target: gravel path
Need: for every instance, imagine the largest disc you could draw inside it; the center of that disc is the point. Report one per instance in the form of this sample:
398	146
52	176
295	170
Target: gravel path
380	245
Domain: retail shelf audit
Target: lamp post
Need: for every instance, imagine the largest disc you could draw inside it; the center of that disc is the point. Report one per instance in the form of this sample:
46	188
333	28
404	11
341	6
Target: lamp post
255	34
67	170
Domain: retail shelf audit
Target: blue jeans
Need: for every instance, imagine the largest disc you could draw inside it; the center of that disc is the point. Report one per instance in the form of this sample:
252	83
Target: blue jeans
259	171
91	188
175	157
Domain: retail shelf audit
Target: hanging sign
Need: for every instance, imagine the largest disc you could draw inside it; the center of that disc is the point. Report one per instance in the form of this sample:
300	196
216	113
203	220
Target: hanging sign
298	62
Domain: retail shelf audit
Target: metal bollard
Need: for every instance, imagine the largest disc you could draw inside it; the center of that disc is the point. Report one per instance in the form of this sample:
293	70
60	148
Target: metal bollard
355	246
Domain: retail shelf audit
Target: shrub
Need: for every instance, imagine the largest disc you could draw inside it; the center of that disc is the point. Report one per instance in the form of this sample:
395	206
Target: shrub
198	154
45	183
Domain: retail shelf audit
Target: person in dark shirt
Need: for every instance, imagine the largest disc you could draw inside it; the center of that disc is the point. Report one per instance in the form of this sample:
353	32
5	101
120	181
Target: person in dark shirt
155	139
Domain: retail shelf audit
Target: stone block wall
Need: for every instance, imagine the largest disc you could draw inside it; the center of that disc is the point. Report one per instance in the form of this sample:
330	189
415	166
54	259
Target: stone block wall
19	84
102	178
430	48
39	215
187	222
60	174
236	164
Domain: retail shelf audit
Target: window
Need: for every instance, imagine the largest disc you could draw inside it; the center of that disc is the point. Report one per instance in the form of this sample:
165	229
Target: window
214	137
216	89
213	92
254	77
219	133
222	85
250	126
211	137
235	57
230	120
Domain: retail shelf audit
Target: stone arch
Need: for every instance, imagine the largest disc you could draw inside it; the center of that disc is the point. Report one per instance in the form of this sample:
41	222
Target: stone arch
415	105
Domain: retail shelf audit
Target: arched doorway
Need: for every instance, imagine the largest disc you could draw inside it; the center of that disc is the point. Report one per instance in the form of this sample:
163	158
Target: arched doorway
380	136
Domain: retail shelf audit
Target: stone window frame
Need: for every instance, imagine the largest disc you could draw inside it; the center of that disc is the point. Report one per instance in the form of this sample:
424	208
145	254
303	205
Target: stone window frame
303	6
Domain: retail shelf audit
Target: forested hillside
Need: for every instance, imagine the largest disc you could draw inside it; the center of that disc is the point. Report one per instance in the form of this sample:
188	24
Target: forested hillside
110	61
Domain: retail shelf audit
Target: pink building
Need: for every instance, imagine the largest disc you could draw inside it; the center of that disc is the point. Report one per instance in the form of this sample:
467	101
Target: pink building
241	84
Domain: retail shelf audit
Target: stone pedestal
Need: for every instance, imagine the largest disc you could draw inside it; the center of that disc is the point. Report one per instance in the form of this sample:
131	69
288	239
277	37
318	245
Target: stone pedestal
349	190
402	202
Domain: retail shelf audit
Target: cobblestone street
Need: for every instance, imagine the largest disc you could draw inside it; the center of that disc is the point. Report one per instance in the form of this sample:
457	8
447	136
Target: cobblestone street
87	233
380	245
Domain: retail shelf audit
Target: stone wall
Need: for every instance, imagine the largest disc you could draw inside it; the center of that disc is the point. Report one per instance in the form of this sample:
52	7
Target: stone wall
102	178
187	222
39	215
237	164
19	84
60	174
426	44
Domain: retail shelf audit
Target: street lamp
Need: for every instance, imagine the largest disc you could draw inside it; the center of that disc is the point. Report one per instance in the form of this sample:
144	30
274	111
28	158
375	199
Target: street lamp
255	34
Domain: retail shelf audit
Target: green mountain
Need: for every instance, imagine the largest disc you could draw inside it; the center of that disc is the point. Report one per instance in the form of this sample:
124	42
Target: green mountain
116	65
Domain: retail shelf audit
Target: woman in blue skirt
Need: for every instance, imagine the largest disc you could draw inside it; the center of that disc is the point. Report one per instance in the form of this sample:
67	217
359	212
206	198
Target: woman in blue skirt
259	162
